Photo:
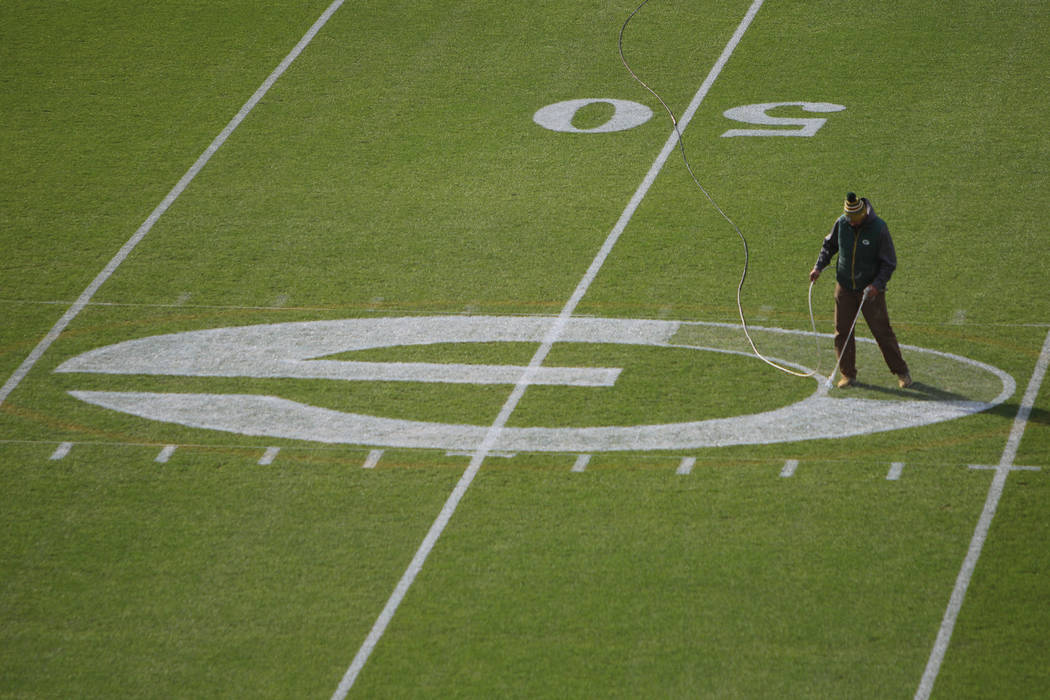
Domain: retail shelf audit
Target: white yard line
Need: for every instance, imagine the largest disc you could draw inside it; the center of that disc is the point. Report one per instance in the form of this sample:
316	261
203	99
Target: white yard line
19	374
984	524
580	465
61	451
269	456
555	332
373	459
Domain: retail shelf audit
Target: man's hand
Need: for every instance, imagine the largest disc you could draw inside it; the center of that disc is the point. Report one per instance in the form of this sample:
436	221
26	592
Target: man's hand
871	291
814	274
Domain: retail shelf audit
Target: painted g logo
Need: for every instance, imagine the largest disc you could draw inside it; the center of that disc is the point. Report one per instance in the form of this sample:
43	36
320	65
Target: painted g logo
297	350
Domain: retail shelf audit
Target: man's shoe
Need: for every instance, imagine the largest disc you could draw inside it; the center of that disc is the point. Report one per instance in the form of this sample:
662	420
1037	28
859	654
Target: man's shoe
846	382
904	380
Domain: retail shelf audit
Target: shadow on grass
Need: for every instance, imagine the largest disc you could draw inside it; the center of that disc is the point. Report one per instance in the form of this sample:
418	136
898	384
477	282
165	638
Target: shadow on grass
916	392
924	392
1009	412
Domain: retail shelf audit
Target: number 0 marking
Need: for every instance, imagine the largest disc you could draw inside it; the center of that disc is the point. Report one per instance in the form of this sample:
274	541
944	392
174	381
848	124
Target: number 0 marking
759	114
558	116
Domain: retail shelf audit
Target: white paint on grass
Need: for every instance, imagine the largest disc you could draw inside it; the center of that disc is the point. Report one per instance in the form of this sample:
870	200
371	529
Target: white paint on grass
894	474
686	465
269	456
469	453
1013	468
82	301
298	350
165	454
789	468
984	524
61	451
816	417
493	434
581	463
559	116
373	459
759	114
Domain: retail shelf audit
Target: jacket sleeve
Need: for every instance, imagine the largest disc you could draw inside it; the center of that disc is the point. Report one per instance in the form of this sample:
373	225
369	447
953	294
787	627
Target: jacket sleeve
828	249
887	260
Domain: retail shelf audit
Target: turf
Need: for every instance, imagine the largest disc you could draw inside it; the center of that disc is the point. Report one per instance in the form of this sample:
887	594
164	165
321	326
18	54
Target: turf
395	171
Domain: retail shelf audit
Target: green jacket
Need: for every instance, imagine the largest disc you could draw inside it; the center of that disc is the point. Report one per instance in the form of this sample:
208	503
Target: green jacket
866	253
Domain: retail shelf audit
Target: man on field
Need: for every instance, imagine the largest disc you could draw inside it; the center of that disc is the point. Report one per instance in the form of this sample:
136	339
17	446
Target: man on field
866	262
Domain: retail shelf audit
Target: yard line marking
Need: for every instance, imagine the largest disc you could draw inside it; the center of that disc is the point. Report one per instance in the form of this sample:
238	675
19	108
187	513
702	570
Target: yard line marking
61	451
581	463
491	436
789	468
895	471
686	465
269	456
984	524
19	374
1013	468
165	454
373	459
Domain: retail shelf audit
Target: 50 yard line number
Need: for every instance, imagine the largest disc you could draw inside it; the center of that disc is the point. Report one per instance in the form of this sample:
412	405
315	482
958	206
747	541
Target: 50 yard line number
628	115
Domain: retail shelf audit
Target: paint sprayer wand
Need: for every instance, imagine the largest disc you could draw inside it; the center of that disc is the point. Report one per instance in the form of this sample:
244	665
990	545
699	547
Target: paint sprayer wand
831	377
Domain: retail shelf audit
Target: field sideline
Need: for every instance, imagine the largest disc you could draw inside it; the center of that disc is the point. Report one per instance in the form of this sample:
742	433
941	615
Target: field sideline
405	360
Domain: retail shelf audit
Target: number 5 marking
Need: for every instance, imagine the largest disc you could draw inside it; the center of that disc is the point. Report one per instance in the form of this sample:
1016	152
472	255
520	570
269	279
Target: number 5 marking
759	114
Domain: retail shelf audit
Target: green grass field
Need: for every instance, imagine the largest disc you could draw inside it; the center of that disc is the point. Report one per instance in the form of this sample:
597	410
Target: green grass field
237	520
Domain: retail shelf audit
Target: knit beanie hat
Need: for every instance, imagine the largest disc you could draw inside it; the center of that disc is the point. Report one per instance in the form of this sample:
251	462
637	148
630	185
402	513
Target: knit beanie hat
852	205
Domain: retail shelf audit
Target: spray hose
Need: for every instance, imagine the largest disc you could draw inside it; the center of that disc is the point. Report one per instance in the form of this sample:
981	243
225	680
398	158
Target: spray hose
743	239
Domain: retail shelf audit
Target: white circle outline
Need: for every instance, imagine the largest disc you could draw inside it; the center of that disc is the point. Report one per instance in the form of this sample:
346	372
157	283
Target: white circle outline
816	417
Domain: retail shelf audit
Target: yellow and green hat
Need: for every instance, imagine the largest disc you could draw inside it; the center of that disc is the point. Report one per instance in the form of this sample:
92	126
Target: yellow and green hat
853	204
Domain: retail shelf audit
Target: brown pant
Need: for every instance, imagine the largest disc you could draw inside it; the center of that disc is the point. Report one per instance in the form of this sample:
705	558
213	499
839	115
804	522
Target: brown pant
875	313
